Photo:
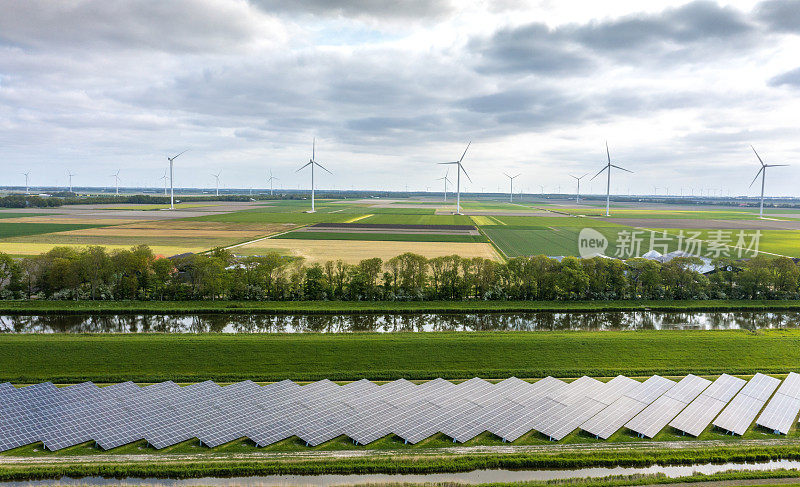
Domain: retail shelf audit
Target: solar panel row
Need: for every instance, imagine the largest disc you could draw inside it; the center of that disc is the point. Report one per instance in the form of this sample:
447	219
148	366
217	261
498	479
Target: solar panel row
165	414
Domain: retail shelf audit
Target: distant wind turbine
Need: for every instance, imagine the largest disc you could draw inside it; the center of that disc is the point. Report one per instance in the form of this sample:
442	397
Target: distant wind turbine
578	193
116	179
270	179
27	188
446	180
164	177
608	167
511	190
312	162
171	181
763	173
459	168
69	174
217	178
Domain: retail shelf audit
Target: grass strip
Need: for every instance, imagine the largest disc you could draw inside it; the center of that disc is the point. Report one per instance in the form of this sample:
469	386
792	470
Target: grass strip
167	468
28	358
382	237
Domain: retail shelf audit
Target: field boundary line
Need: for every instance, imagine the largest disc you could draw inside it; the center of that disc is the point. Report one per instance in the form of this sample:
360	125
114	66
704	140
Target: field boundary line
497	249
353	220
240	244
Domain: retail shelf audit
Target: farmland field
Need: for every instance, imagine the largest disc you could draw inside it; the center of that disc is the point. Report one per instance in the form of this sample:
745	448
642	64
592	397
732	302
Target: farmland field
354	251
518	229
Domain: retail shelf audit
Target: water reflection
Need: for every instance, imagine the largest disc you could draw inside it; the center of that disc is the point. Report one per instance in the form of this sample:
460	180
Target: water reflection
387	323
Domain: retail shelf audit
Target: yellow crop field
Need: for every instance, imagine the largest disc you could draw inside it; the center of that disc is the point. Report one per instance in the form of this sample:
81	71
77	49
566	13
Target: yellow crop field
71	220
35	248
354	251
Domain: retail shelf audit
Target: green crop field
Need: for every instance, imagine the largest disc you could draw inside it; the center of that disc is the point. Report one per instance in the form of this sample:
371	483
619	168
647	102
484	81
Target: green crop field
782	242
20	229
261	216
418	219
262	357
4	215
387	237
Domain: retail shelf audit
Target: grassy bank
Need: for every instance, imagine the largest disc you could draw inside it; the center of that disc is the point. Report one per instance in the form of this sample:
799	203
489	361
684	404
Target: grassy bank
330	307
266	357
228	467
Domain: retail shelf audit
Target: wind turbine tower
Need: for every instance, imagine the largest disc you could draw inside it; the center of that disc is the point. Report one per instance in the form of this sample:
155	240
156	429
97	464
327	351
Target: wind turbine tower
459	168
69	174
763	172
116	179
608	167
164	178
446	180
511	189
270	179
217	178
171	181
312	162
27	187
578	193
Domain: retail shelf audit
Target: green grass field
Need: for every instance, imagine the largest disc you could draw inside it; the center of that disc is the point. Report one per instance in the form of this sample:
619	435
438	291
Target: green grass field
387	237
21	229
264	357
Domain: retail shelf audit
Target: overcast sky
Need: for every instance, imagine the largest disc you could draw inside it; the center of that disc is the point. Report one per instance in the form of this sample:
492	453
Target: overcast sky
390	87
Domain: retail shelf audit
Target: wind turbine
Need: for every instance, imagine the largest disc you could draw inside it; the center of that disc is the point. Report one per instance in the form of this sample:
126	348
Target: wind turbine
511	190
116	178
459	168
608	181
578	193
171	180
311	162
164	177
27	188
446	180
217	177
763	173
270	179
70	180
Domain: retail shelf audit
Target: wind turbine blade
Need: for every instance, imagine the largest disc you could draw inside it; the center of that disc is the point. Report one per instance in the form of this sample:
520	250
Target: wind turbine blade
465	152
465	171
775	165
754	179
622	168
454	162
178	155
506	175
608	153
518	175
599	172
573	177
584	176
314	149
759	157
304	166
322	167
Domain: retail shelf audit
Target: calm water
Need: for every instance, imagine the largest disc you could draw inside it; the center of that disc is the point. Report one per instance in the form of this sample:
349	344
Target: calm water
345	323
474	477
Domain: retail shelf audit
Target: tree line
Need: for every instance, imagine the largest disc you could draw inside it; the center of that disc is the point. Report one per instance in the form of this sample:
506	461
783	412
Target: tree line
93	273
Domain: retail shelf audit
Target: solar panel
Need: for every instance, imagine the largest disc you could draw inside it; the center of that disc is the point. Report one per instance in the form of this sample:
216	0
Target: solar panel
760	387
613	417
664	409
790	386
780	413
699	413
742	410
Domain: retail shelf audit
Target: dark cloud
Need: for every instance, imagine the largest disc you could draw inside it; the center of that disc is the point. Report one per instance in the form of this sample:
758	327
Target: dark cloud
533	48
790	78
780	15
386	9
697	30
175	25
